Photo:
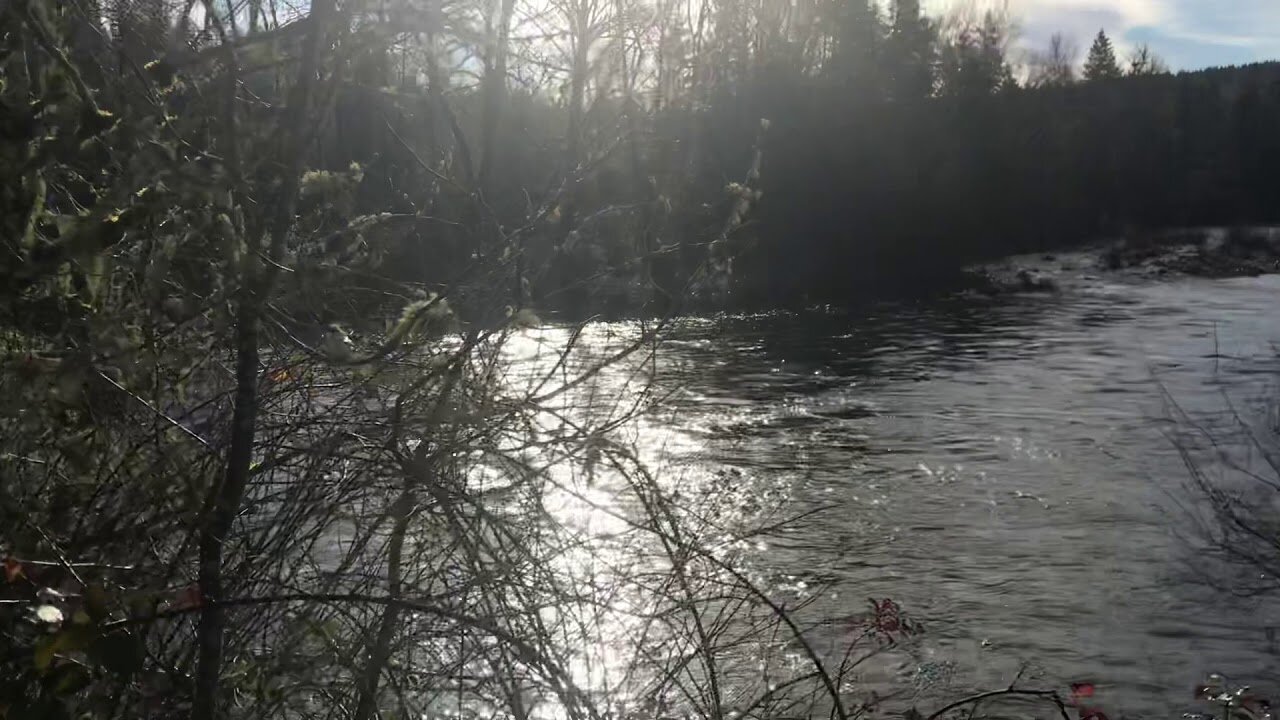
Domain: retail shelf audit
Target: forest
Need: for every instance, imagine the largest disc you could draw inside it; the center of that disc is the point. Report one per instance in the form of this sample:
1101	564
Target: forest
893	196
893	136
266	267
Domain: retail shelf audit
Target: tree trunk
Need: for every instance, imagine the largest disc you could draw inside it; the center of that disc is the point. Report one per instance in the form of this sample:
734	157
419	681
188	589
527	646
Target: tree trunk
577	93
645	245
252	296
573	138
380	648
495	93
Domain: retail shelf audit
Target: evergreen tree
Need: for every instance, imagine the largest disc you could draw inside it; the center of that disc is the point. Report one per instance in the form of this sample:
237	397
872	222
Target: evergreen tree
973	61
857	42
910	52
1102	64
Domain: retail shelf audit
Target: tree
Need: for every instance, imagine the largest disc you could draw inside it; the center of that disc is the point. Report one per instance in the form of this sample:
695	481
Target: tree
1055	66
910	52
1144	61
858	37
973	55
1101	63
494	88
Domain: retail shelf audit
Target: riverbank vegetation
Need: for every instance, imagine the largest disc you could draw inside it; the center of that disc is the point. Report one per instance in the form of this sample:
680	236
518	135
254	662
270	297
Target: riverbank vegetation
280	438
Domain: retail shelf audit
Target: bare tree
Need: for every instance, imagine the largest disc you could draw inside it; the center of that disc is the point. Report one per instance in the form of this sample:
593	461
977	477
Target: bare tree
215	479
1144	61
1055	66
494	84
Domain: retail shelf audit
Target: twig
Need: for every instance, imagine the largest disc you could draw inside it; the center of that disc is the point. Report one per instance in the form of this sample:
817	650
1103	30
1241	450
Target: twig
1049	695
158	413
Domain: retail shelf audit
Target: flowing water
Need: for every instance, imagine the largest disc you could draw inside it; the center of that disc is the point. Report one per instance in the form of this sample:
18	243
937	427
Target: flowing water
1002	467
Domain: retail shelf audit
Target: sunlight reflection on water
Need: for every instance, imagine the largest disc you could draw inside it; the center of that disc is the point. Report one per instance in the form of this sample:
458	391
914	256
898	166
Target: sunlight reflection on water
999	467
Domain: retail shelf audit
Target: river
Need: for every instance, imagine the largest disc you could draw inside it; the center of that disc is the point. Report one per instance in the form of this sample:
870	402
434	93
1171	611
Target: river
1001	467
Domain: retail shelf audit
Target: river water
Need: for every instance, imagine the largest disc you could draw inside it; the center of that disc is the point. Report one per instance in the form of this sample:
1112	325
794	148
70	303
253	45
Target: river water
1002	467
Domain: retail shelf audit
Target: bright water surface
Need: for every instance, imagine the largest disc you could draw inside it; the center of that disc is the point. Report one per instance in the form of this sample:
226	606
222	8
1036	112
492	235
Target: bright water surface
1001	467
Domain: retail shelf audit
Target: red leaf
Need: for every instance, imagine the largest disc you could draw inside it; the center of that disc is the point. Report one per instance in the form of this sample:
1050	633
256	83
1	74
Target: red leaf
1082	690
12	569
888	617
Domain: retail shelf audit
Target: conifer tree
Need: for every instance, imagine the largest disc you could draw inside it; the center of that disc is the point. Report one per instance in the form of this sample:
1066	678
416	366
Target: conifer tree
1101	64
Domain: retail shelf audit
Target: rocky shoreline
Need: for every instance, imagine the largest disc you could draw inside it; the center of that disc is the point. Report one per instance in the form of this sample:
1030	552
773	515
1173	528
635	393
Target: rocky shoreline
1204	252
1211	253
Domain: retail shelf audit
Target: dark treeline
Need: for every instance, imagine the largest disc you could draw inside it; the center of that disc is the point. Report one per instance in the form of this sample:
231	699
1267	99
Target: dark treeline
627	133
900	147
868	197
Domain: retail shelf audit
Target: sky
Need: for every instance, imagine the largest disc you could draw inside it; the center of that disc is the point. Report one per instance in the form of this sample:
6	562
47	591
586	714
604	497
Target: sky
1188	34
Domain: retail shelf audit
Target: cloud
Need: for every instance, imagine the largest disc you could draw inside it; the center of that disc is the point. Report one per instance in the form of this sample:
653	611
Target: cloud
1242	23
1124	13
1192	33
1203	38
1077	20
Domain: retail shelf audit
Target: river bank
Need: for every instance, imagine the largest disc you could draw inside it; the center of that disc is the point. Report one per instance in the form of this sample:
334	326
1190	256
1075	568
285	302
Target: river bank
1214	253
1204	252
